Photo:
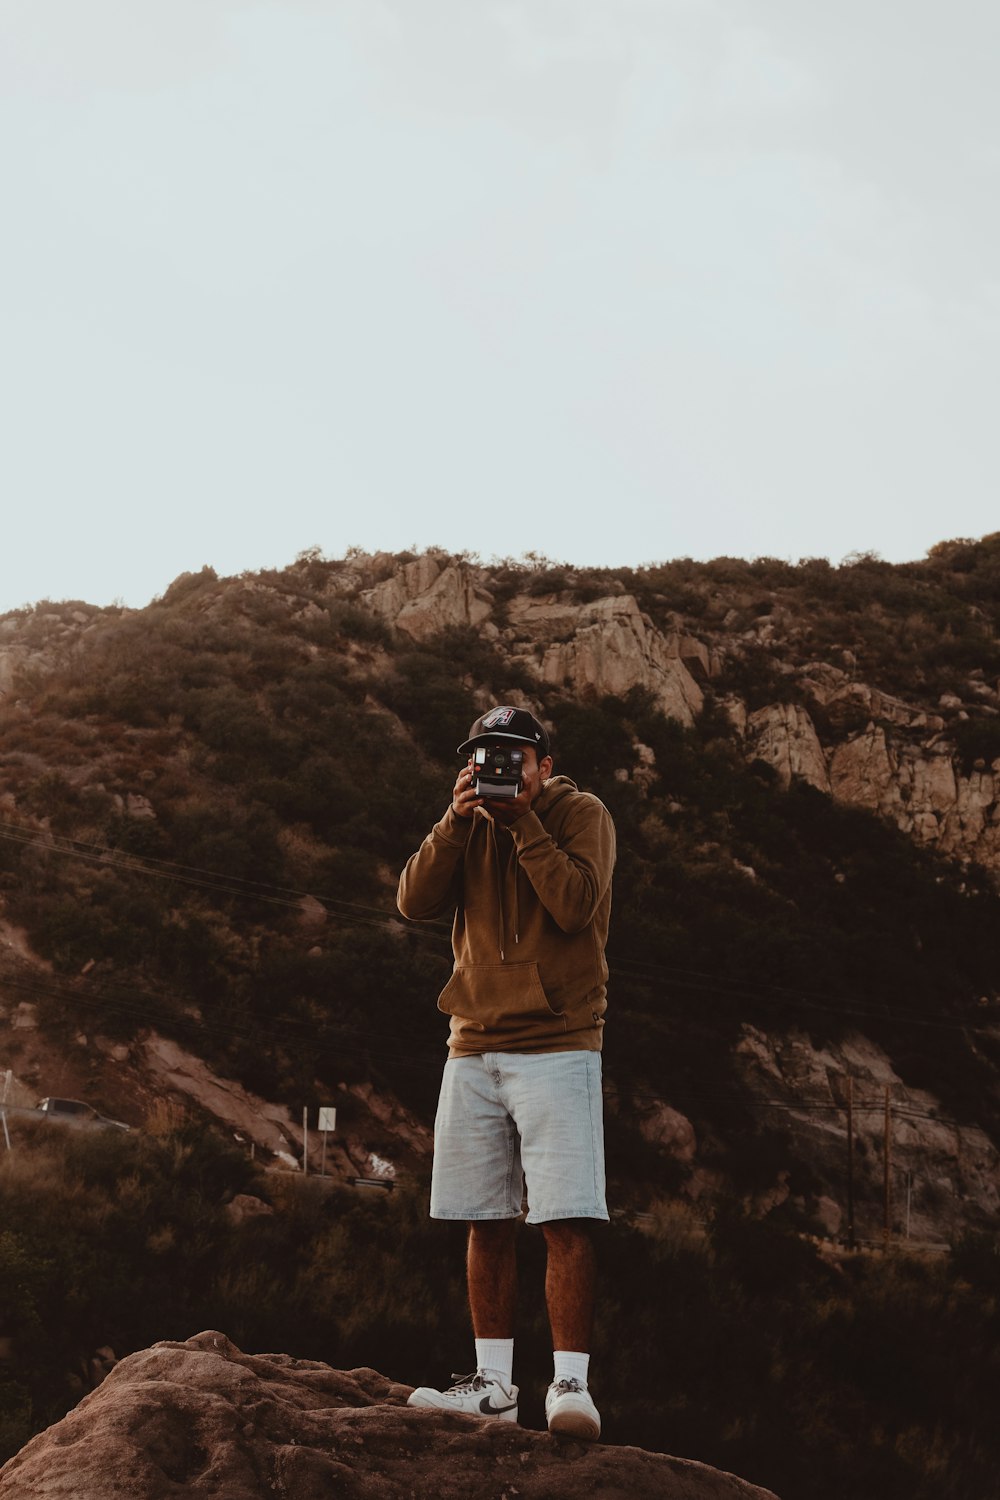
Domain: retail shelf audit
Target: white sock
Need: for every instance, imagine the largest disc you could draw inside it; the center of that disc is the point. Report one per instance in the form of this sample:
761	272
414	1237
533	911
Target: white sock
570	1365
496	1357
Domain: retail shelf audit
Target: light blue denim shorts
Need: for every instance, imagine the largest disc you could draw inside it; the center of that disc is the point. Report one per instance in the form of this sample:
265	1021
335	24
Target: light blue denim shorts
510	1123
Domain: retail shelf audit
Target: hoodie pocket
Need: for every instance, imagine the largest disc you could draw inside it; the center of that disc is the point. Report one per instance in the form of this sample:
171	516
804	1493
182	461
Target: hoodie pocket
496	997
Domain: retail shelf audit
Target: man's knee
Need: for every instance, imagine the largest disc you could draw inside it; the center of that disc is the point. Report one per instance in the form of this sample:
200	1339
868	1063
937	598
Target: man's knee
568	1233
491	1232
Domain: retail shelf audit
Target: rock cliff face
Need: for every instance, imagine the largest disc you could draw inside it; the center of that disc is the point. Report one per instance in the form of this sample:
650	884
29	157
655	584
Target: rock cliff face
914	782
607	646
203	1419
893	758
945	1177
429	595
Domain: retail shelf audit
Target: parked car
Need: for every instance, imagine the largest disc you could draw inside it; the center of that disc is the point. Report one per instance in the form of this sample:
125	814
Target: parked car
75	1112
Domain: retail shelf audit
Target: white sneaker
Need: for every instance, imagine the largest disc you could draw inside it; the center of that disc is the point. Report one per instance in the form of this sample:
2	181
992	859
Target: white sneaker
475	1395
570	1411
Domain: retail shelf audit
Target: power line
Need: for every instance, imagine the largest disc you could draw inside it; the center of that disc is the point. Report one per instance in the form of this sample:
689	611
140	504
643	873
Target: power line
407	1059
695	981
192	875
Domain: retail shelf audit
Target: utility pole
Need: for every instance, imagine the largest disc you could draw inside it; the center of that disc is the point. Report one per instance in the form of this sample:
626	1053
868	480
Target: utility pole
887	1173
842	1089
851	1242
3	1111
909	1200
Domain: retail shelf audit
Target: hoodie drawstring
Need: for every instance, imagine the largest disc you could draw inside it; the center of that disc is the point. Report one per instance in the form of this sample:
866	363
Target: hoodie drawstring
498	863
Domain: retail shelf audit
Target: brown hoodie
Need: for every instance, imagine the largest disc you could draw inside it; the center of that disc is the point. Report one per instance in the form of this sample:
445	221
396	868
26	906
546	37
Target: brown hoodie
531	906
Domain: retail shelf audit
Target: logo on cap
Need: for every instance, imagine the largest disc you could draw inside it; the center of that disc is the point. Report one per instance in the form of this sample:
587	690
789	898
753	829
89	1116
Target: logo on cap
498	717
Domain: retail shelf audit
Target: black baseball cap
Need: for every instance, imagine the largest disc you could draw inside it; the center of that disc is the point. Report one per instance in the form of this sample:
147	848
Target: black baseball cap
506	723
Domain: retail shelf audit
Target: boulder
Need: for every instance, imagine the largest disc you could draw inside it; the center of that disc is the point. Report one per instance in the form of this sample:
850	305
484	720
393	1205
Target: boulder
202	1419
137	806
547	617
900	765
244	1206
929	793
606	646
735	711
666	1127
312	912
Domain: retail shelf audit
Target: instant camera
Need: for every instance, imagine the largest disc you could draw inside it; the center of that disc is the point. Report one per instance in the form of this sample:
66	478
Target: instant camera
496	769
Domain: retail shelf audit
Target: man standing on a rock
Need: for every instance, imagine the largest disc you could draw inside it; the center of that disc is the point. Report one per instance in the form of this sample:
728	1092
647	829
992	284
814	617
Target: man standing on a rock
528	877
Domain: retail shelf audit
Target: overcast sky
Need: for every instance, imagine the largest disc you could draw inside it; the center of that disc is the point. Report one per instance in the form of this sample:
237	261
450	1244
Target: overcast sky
612	280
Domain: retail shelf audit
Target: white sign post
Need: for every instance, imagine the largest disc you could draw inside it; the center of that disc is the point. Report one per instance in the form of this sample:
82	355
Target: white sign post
327	1122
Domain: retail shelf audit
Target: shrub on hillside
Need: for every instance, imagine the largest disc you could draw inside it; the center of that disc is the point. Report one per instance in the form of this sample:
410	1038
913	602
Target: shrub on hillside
877	1376
436	706
976	740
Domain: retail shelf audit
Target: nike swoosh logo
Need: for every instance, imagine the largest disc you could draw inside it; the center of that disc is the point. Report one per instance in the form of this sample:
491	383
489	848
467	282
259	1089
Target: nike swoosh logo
494	1411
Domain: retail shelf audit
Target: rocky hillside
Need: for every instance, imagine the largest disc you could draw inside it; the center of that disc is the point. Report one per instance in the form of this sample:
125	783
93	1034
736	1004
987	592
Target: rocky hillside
204	806
924	757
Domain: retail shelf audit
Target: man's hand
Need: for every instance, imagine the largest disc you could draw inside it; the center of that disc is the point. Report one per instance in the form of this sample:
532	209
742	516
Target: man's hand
506	809
464	800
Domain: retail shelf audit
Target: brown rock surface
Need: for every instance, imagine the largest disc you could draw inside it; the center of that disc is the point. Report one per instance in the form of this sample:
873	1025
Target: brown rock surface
784	736
954	1169
426	596
201	1418
608	646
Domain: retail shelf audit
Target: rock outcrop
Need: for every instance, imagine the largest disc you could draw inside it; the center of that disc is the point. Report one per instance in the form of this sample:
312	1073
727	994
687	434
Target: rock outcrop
202	1419
183	1076
922	790
180	1073
945	1177
914	782
431	594
880	753
607	646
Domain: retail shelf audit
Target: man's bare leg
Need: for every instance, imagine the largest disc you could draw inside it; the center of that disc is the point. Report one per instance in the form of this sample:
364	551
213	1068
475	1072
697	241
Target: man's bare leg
570	1283
570	1280
492	1272
491	1264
